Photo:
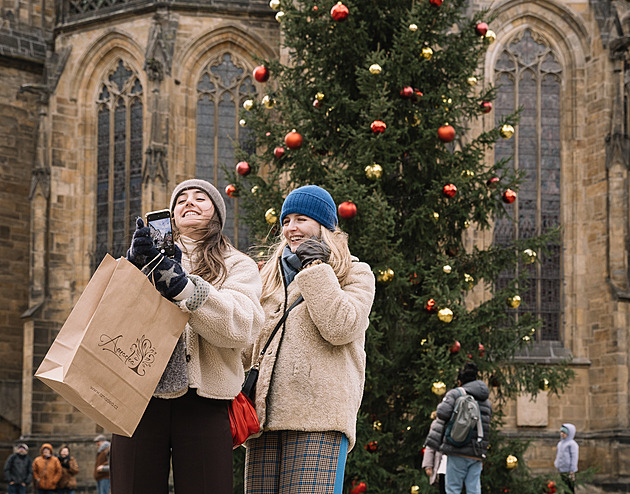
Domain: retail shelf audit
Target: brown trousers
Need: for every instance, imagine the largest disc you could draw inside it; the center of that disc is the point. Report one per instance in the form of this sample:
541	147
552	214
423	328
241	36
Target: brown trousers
192	432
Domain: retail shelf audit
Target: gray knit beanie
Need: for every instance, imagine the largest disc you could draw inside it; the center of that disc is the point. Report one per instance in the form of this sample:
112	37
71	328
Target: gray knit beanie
208	188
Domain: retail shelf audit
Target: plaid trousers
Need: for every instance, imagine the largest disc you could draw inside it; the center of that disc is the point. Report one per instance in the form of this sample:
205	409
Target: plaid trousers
292	462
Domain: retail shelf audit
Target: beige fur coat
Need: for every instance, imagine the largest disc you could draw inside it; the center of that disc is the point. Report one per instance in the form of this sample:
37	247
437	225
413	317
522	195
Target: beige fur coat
319	369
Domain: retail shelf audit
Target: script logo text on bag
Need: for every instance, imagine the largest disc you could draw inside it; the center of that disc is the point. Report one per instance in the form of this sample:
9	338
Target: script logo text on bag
465	419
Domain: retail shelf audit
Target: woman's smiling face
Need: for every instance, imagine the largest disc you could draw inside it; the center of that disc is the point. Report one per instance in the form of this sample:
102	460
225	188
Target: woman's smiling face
192	213
298	227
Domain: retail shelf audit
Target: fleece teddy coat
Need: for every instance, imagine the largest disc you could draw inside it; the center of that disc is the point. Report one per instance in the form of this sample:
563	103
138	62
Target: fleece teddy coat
222	327
319	368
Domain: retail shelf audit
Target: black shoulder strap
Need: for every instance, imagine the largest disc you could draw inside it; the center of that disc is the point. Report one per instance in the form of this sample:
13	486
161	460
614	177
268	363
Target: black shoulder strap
280	323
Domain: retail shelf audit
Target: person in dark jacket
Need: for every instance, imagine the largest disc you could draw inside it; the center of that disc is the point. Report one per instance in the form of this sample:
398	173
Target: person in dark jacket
464	463
18	470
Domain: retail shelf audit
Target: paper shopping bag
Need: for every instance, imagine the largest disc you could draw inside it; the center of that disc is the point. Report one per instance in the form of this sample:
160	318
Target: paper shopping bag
112	350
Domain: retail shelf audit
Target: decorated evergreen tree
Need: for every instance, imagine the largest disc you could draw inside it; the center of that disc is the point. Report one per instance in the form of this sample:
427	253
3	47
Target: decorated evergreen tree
384	104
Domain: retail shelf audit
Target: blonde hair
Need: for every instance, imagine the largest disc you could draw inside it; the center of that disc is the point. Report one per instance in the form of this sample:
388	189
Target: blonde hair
340	260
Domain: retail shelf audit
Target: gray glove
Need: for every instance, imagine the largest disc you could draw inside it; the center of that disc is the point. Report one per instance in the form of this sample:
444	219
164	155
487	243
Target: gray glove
312	249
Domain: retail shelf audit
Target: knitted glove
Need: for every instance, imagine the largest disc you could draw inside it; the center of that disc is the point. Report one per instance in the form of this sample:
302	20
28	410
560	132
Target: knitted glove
312	249
142	248
168	276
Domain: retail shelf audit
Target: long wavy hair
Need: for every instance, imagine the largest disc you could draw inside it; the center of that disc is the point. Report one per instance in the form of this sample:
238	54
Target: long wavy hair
208	257
340	260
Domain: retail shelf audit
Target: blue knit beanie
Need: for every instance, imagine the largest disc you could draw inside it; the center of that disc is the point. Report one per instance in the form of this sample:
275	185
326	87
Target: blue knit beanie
314	202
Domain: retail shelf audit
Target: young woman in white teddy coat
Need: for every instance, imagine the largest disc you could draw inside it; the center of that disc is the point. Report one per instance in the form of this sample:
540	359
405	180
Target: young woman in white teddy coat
311	377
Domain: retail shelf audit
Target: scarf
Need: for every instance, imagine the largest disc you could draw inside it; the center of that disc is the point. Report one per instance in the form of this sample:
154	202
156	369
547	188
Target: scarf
291	265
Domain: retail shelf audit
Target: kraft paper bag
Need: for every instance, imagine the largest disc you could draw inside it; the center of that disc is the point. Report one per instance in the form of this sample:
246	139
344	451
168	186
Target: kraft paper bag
112	350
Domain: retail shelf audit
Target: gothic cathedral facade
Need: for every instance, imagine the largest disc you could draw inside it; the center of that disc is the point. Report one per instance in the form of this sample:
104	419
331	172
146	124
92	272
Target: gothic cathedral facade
106	104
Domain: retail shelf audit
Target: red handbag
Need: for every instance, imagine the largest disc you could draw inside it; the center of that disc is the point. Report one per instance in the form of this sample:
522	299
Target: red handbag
243	418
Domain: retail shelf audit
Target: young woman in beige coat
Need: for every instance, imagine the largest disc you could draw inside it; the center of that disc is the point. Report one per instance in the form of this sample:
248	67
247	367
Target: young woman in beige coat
311	377
186	423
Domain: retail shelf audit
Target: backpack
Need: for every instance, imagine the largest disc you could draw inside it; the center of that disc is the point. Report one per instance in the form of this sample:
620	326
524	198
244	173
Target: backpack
465	418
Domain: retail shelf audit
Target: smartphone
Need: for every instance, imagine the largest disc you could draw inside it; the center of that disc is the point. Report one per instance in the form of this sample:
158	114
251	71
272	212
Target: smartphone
159	222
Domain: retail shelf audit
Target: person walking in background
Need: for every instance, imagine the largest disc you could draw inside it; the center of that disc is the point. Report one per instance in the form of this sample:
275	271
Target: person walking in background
18	470
567	455
187	420
46	470
464	464
69	470
101	465
311	379
434	464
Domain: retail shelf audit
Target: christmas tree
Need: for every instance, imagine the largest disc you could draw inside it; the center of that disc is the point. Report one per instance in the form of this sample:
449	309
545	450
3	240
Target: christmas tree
384	105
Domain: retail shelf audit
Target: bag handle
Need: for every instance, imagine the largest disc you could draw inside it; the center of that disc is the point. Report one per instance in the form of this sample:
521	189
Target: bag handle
275	330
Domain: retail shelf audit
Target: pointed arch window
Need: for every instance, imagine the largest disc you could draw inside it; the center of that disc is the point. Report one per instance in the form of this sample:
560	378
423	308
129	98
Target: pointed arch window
119	111
221	89
528	75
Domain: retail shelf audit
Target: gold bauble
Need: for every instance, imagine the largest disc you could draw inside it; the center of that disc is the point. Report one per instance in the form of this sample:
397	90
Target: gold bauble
466	223
255	189
375	69
377	425
530	256
472	80
438	388
374	172
242	122
469	280
414	489
271	216
427	53
490	36
436	216
468	173
279	16
544	385
447	269
247	104
445	315
274	4
413	27
526	338
507	131
268	102
511	461
514	301
319	96
385	276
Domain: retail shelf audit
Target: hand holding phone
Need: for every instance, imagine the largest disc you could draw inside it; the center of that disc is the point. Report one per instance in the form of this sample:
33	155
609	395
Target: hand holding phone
159	223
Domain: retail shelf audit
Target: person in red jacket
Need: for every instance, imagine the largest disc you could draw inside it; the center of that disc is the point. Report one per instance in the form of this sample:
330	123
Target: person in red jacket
46	470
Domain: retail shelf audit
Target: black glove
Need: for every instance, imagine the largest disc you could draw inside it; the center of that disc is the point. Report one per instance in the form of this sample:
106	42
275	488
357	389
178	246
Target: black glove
312	249
168	276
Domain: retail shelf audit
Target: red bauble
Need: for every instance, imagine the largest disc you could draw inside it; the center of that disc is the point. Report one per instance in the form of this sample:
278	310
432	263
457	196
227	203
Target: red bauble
243	168
347	210
261	73
230	190
509	196
378	126
486	106
339	12
418	94
449	190
358	488
446	133
492	182
481	29
431	306
372	446
437	3
278	152
455	347
482	350
407	92
293	140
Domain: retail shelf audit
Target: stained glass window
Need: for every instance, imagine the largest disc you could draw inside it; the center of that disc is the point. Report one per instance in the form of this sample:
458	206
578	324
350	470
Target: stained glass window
223	86
119	161
528	76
